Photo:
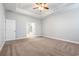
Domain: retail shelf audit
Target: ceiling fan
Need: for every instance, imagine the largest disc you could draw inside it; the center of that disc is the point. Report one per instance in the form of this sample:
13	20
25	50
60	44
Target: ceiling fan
41	6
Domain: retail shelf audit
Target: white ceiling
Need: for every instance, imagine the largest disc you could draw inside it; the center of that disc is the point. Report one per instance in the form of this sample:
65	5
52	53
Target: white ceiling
27	9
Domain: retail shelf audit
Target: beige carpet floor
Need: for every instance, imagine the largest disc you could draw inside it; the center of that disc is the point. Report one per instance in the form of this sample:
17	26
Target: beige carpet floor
39	46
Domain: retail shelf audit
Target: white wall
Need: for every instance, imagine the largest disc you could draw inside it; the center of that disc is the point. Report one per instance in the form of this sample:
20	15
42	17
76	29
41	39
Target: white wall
21	21
63	25
2	26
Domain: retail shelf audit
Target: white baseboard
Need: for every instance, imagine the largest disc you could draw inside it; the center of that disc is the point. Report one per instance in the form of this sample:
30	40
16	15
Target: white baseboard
21	38
27	37
53	38
2	46
62	39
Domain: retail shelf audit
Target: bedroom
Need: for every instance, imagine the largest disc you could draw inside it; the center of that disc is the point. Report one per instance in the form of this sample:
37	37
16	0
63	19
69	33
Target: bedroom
27	29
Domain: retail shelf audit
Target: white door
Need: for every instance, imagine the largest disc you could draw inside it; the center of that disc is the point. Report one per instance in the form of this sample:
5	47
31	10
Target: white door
10	29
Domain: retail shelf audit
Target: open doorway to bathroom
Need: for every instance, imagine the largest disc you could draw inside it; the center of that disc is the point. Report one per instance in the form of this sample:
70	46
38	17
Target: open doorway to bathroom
31	29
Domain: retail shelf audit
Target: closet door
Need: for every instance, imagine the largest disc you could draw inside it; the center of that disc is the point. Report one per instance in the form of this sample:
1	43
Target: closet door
10	29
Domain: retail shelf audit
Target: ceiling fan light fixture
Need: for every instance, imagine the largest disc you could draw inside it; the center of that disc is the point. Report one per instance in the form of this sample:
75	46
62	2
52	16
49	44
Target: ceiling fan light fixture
41	6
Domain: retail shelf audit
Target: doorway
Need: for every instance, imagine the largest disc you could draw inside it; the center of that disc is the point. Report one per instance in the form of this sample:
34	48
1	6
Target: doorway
31	30
10	29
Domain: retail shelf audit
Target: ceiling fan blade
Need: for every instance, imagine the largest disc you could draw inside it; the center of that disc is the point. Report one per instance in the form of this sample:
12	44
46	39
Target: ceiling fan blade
37	3
35	8
46	7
